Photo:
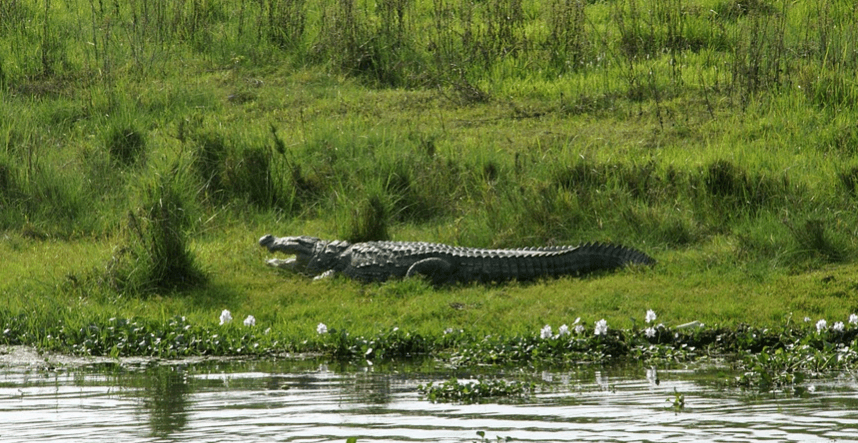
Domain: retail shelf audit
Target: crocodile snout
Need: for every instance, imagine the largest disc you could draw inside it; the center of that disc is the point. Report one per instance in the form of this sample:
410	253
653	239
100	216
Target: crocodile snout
266	240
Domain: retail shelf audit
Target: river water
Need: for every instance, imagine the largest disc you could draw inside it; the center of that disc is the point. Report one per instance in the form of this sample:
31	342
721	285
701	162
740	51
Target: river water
313	401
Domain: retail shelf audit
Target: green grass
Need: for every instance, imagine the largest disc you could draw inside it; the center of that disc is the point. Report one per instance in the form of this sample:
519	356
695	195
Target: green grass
141	159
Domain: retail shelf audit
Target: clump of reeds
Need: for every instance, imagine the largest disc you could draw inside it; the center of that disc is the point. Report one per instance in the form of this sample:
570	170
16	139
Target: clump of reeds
368	221
157	256
240	170
815	240
125	144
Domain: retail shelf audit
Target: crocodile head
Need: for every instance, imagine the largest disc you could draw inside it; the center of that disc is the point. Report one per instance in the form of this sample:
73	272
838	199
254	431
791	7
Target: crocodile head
313	256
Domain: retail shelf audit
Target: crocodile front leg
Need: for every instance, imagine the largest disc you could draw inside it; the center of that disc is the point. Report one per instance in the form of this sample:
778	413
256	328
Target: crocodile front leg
329	274
436	269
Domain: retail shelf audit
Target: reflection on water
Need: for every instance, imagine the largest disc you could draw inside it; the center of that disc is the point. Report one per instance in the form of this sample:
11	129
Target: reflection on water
309	401
165	394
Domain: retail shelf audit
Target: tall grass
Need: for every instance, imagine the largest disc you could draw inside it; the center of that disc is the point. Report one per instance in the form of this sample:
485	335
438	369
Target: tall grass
157	256
720	101
372	35
760	46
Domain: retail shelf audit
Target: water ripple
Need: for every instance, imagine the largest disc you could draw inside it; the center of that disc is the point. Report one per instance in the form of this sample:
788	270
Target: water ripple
285	401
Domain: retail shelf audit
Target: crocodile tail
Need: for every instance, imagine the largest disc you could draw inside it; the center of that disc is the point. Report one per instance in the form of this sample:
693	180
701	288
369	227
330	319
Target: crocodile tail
591	257
632	256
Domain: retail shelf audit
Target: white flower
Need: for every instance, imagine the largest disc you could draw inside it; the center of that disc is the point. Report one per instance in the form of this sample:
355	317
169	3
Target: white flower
545	332
322	329
853	319
821	325
649	332
577	320
250	321
564	330
448	331
225	317
807	319
601	327
838	326
579	329
650	316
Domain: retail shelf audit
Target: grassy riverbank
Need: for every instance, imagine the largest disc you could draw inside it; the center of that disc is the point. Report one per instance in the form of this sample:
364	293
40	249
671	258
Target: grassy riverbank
145	148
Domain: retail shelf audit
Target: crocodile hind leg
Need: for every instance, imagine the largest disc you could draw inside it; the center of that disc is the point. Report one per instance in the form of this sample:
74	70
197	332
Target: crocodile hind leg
438	270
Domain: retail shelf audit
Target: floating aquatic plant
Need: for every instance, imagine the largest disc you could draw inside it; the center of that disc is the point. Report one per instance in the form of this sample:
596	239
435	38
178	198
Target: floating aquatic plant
650	316
768	358
601	327
545	332
678	400
474	391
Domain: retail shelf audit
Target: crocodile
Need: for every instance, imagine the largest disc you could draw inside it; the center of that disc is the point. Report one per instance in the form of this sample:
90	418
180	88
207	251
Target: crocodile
440	263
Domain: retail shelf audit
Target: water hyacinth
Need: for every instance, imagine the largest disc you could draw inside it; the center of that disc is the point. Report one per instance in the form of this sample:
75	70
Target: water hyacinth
225	317
578	327
650	316
545	332
322	328
250	321
838	326
564	330
601	327
821	325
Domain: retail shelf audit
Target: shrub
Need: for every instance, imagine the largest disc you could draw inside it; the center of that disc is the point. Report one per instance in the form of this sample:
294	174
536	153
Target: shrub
157	257
369	221
814	240
7	181
732	189
210	151
125	144
249	176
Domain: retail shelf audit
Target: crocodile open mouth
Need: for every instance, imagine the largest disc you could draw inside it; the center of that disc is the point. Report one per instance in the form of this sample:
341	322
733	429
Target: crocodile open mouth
288	263
297	249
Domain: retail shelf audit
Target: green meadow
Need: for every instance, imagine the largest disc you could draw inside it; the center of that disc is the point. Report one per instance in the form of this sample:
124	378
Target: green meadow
145	146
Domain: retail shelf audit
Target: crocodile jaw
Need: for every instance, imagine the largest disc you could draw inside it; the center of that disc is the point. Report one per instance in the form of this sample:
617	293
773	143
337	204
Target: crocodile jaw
301	247
290	263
